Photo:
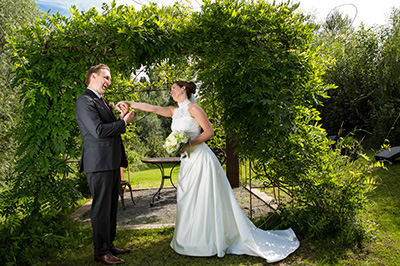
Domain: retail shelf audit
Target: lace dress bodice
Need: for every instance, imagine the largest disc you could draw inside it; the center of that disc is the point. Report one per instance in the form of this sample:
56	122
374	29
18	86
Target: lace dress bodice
183	121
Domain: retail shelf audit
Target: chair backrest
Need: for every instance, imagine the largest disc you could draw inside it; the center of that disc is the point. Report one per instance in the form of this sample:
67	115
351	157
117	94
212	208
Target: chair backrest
221	155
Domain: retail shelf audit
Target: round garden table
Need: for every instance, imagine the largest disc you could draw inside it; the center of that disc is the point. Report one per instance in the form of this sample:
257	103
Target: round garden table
161	162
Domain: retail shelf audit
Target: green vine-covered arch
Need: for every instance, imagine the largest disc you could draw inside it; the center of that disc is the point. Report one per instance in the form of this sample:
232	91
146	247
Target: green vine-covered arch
254	61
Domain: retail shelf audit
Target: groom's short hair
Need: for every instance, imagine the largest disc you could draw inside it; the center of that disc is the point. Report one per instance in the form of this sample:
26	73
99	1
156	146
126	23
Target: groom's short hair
95	69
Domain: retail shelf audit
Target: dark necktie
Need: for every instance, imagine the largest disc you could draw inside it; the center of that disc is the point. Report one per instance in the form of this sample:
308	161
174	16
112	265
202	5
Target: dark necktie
105	103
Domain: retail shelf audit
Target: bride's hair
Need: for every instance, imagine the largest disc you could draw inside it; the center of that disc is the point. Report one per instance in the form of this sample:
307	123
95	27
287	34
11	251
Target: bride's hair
190	87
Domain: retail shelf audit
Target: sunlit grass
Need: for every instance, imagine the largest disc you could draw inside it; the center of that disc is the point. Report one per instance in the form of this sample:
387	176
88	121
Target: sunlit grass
151	177
385	212
151	247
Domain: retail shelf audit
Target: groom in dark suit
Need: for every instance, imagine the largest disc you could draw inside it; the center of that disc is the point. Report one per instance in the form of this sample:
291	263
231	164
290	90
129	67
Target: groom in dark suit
102	156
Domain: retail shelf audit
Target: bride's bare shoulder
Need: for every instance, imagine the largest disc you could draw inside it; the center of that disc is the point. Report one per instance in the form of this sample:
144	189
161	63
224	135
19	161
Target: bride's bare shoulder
194	109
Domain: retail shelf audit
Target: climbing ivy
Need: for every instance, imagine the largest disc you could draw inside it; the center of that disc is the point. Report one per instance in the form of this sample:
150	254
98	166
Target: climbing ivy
252	60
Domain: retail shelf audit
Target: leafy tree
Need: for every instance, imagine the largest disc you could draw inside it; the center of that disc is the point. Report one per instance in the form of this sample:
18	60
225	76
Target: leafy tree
337	23
386	96
363	65
351	62
14	14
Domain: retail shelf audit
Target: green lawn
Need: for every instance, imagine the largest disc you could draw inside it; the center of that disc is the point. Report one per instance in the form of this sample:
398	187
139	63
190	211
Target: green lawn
386	213
151	177
151	247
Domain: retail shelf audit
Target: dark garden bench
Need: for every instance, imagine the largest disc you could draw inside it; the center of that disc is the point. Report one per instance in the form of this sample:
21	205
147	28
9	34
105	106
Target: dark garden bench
389	155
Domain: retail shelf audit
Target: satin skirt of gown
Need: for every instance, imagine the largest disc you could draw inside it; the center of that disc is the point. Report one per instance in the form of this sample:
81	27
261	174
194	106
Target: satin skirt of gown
209	220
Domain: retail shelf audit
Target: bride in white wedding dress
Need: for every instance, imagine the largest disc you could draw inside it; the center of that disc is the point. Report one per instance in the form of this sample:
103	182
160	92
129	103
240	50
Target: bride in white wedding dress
209	220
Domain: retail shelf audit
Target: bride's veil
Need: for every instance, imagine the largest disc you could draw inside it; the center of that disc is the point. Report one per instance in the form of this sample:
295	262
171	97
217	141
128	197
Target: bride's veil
193	98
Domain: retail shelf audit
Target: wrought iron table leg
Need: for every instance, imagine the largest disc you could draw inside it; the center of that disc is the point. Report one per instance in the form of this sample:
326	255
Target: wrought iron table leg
163	177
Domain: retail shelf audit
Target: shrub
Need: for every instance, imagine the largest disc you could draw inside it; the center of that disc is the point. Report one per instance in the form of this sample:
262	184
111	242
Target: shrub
329	197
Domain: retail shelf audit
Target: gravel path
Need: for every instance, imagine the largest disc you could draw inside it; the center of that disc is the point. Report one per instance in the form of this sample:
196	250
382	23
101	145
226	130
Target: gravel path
162	214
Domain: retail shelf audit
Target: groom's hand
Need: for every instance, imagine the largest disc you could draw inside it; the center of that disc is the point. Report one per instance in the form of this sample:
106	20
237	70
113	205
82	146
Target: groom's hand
123	107
123	113
128	117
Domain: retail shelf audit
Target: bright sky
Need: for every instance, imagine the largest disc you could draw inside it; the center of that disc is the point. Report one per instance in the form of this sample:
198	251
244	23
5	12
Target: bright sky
367	11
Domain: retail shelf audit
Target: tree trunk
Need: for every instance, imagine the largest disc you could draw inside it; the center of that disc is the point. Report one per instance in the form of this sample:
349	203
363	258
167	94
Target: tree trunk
232	164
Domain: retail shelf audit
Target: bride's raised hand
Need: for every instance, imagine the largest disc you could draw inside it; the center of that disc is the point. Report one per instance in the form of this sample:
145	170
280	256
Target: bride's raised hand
123	106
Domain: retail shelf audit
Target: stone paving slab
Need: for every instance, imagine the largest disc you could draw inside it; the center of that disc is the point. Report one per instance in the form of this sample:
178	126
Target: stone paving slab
162	214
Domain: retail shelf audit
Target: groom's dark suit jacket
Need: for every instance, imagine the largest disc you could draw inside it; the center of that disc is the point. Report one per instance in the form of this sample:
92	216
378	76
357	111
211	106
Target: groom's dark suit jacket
102	147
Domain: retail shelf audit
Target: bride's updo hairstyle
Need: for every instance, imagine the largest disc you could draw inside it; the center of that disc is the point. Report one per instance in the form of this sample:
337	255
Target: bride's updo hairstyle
190	87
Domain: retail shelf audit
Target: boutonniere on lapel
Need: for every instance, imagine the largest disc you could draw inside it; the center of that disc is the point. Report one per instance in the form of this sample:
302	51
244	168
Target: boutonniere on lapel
113	109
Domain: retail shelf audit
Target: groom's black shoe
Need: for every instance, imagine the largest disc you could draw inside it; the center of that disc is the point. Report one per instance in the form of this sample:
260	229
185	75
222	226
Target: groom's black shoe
108	259
118	251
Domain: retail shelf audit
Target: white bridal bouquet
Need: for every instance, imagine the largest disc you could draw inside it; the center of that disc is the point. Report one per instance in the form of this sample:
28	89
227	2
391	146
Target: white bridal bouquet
175	141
